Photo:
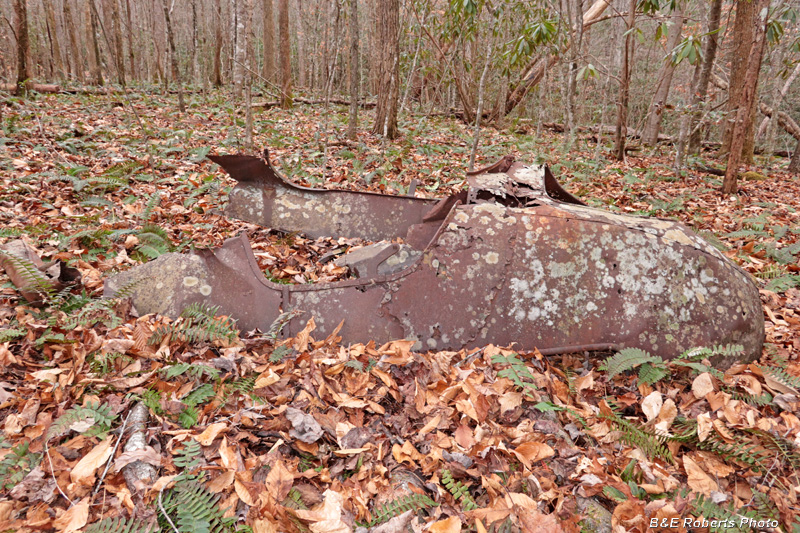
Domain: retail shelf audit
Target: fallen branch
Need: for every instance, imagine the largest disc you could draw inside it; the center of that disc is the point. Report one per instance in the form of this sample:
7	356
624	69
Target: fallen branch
338	101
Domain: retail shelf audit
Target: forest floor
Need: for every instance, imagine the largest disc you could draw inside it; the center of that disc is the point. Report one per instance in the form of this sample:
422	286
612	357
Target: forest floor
306	434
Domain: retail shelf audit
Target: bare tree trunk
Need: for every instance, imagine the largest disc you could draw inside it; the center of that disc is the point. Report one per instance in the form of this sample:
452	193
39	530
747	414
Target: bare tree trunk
481	88
653	125
355	72
794	164
240	50
621	131
131	44
387	30
576	41
285	54
23	46
747	99
55	45
218	45
248	77
75	50
194	55
743	38
268	70
119	57
700	91
176	74
97	60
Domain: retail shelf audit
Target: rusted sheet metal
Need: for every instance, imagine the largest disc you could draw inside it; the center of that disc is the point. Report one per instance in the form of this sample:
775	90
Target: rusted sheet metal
506	263
263	197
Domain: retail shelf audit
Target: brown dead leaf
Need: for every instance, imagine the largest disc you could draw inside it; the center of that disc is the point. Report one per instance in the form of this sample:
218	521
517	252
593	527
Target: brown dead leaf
532	451
210	433
327	516
702	385
74	518
222	481
448	525
83	472
698	480
279	481
651	405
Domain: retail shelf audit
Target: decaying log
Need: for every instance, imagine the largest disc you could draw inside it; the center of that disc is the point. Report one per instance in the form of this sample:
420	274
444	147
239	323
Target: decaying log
38	87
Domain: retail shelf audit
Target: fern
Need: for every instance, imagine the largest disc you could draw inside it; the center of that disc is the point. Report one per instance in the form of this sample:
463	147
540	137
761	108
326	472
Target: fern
517	371
279	353
747	234
152	203
548	406
33	278
196	370
410	502
198	323
9	334
187	457
784	283
16	465
651	443
193	509
650	373
279	323
120	525
459	491
189	417
201	394
755	401
355	365
97	418
728	515
627	359
781	376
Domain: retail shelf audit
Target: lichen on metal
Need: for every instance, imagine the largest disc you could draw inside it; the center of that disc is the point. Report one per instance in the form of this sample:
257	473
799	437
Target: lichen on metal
515	259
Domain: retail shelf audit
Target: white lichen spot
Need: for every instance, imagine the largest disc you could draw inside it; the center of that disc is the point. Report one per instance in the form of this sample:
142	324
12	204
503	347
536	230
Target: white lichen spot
320	208
720	309
160	285
190	281
700	297
591	306
431	343
462	217
678	236
205	290
492	258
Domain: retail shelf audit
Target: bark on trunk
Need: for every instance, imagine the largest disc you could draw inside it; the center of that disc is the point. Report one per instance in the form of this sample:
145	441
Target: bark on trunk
387	20
97	61
624	87
355	72
76	52
23	46
130	31
173	56
240	48
655	114
285	54
794	164
55	45
268	70
701	89
747	100
119	58
743	38
218	45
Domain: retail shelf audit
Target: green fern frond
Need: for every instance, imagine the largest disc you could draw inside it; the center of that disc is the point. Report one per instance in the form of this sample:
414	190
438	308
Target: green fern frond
196	370
627	359
459	491
16	465
120	525
771	272
781	376
650	373
785	450
517	371
352	363
96	417
198	323
7	233
187	458
294	500
725	515
755	401
410	502
638	436
279	353
33	278
152	202
189	417
200	395
279	323
9	334
194	509
746	234
784	283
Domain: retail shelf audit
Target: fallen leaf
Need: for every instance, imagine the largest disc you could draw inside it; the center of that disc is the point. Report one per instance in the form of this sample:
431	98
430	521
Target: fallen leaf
304	426
532	451
448	525
327	516
651	405
702	385
698	480
210	433
74	518
84	471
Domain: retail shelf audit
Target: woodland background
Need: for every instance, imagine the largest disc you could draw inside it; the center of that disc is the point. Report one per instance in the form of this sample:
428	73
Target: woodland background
108	110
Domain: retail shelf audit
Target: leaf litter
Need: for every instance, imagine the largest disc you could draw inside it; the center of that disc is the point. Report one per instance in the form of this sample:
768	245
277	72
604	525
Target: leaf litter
309	435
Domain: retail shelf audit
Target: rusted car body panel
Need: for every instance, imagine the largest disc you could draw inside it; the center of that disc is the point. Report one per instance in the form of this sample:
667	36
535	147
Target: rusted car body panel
505	262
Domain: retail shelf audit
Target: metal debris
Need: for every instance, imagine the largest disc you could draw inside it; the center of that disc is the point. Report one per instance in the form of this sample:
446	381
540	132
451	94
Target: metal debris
514	260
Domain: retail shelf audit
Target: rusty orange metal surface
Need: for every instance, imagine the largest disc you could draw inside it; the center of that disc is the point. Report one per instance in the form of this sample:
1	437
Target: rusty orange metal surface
515	259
